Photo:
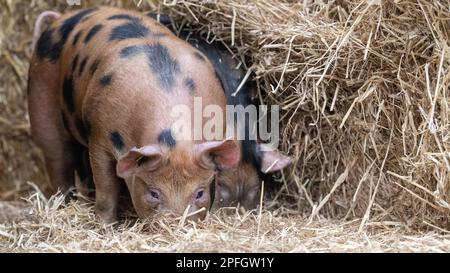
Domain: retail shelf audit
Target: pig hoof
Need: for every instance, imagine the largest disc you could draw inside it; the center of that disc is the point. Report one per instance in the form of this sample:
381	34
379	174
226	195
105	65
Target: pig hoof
106	214
107	218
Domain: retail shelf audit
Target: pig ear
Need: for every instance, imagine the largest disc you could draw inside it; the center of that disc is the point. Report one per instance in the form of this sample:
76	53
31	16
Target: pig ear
147	158
272	160
223	154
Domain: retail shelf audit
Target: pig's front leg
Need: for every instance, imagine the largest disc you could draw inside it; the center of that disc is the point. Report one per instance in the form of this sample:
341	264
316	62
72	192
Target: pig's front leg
107	184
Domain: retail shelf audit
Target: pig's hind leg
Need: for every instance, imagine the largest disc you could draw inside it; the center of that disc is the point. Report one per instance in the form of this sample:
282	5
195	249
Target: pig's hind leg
47	125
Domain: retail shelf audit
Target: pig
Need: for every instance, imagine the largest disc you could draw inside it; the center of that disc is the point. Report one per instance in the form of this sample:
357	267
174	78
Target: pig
105	79
240	186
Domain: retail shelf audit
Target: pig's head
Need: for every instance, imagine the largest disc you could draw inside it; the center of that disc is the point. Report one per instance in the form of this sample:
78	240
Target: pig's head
169	180
242	185
238	186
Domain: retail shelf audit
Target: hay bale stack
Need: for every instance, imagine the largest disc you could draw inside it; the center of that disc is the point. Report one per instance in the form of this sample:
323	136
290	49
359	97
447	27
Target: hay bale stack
363	87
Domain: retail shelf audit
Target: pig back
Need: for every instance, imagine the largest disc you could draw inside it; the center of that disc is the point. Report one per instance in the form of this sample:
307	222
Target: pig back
121	69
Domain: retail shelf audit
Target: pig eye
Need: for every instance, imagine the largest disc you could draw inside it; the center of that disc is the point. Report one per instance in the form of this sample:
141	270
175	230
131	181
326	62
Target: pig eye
154	194
200	194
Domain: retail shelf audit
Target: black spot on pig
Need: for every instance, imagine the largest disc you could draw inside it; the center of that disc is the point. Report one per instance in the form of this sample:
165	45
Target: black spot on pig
132	29
161	63
200	56
46	49
131	51
83	129
68	94
122	16
117	140
94	66
69	24
85	19
82	66
106	80
75	63
166	138
77	37
94	30
190	85
44	44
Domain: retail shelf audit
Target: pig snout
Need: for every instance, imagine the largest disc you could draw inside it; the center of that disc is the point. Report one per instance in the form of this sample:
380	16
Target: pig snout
195	210
149	200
